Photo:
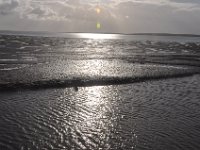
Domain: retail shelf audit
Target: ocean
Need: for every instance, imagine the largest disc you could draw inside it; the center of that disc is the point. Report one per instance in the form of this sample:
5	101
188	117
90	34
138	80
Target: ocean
99	91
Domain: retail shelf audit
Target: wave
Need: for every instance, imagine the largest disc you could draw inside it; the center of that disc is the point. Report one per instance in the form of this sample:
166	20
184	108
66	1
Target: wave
86	82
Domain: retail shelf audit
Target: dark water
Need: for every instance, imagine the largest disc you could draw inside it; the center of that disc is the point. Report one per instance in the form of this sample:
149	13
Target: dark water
100	93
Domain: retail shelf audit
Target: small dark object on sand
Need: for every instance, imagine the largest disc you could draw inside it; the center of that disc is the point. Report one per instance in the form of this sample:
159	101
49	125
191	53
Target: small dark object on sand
76	88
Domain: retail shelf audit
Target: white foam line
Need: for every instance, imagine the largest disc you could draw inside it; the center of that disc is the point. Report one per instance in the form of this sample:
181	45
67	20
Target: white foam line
163	66
8	60
14	68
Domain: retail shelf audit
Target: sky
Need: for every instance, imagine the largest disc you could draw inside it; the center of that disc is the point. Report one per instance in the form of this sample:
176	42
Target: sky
111	16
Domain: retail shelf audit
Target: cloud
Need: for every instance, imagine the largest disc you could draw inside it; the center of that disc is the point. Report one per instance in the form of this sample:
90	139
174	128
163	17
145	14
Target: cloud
40	12
8	6
127	16
186	1
137	16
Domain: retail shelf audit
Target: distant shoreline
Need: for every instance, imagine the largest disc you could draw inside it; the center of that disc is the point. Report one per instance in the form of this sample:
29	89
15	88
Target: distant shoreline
12	32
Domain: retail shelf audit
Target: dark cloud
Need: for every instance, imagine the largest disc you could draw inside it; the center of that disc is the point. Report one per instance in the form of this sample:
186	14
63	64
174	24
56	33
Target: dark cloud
7	6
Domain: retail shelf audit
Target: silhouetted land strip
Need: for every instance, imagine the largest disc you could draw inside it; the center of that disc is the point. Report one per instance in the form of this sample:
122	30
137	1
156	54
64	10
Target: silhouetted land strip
78	82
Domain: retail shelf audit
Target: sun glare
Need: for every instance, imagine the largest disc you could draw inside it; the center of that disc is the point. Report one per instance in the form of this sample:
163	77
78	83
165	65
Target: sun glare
98	25
97	36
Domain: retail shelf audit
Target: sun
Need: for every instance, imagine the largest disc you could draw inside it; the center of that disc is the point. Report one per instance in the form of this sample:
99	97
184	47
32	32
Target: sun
98	10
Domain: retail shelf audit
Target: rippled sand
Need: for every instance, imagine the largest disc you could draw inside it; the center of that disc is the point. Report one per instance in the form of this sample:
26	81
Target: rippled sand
150	115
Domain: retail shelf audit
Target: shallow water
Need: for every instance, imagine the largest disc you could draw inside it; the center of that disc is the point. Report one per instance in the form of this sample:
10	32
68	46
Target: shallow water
150	115
64	93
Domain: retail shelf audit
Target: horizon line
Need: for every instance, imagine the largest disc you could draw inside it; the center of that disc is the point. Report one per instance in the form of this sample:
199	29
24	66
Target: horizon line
119	33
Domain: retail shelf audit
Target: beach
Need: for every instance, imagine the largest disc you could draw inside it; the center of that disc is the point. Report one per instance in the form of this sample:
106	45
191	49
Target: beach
80	93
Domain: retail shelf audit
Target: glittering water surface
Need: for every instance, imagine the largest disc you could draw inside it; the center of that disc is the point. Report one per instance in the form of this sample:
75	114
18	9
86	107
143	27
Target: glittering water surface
61	93
154	115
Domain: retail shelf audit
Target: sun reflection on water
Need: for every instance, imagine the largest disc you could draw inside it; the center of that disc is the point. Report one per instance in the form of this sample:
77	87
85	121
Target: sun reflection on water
97	36
92	119
99	106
